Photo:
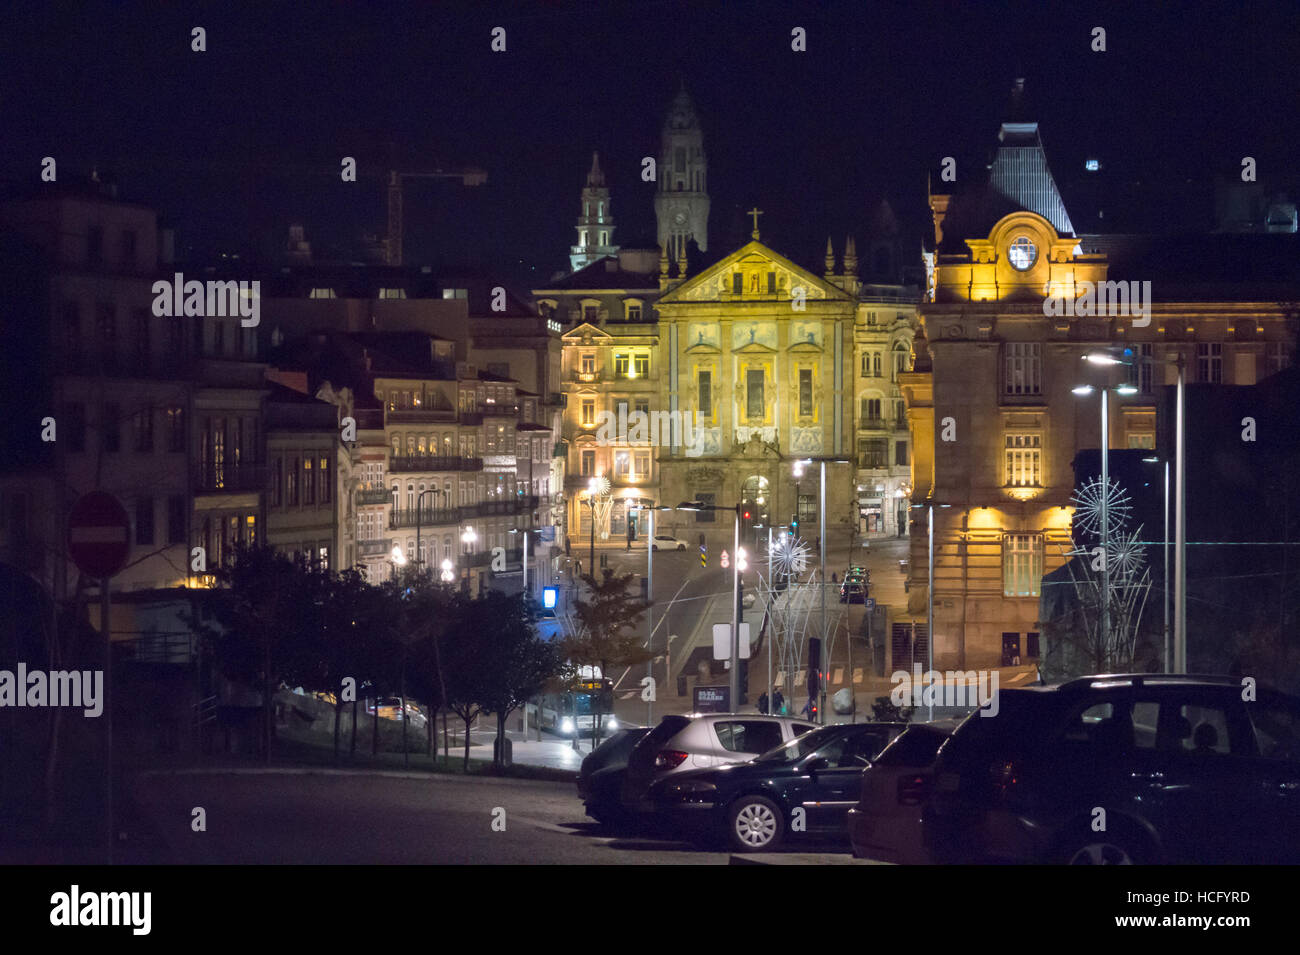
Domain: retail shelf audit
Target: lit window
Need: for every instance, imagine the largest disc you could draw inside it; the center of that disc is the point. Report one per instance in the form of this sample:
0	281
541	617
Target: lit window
1022	565
1024	460
1023	369
588	413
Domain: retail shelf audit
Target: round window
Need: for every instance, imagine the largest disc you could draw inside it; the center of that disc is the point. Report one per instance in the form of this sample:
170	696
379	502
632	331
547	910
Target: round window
1022	253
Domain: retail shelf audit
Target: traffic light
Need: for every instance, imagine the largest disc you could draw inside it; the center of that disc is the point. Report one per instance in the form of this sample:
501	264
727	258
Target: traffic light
794	525
746	515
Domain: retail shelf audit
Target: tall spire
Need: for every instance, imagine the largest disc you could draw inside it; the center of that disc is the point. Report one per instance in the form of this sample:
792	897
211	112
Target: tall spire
830	258
850	257
595	221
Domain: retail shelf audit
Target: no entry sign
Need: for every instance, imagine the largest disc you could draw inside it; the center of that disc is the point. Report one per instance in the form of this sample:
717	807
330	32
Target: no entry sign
99	534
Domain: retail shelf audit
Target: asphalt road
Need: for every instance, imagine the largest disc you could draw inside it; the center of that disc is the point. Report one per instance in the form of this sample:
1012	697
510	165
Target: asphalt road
319	819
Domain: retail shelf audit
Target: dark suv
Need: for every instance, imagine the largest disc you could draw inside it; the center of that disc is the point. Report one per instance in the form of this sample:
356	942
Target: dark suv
1122	769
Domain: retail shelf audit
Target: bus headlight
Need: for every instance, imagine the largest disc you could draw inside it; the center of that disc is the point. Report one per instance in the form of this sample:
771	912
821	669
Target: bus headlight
566	725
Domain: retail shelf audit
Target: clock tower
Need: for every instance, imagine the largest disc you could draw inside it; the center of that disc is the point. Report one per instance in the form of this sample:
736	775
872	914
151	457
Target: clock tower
682	203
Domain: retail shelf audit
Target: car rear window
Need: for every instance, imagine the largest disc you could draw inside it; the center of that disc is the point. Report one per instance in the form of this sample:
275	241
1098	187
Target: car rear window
668	727
748	736
915	749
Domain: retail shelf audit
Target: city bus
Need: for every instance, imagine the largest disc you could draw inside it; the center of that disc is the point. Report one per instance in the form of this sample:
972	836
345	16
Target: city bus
574	710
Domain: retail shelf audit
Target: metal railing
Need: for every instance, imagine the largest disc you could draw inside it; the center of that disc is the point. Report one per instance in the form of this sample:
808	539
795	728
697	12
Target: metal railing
433	462
376	495
373	548
426	517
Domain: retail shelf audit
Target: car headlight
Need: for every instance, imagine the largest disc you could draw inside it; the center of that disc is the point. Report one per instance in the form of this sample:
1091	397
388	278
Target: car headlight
612	724
566	725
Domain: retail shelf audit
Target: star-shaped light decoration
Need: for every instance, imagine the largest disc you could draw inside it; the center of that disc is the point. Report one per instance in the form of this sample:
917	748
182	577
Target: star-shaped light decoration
790	556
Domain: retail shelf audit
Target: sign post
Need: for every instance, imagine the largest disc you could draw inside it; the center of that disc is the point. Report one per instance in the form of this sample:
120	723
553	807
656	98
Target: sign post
99	543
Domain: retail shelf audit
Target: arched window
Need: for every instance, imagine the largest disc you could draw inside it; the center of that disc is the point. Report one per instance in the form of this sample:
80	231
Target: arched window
902	359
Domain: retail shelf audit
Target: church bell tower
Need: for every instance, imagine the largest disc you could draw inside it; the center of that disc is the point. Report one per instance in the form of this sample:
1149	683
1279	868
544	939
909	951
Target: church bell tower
682	203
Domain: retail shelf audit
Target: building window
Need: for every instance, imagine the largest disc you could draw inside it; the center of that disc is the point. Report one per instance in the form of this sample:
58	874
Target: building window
622	463
291	483
142	343
871	364
642	464
1142	439
705	516
641	365
737	283
900	414
75	415
1209	363
705	400
111	417
805	392
642	405
620	366
900	453
771	283
308	484
1022	565
106	329
869	413
1023	369
873	453
901	360
588	412
176	519
275	483
590	313
754	404
634	313
588	468
144	520
1139	373
325	491
144	429
175	428
1277	356
1024	460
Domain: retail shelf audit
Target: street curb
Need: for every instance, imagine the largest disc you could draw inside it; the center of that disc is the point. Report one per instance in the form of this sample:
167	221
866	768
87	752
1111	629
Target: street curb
330	771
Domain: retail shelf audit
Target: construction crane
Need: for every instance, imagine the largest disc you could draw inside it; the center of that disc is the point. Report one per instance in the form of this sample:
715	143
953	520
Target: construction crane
469	176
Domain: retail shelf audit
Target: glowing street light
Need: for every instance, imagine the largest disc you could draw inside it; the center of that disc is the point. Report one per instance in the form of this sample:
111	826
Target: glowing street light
448	571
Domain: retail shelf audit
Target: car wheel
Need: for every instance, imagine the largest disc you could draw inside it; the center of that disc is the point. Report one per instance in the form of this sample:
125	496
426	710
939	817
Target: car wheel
755	824
1104	848
607	815
681	546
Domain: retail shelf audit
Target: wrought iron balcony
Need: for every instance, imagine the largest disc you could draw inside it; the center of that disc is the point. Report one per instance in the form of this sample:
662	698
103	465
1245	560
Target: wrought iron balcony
424	517
373	548
229	478
407	463
376	495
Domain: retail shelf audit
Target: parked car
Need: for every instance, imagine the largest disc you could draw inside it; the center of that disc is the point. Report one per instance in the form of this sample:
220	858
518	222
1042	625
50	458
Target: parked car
885	825
681	743
1184	769
751	805
391	709
666	542
600	778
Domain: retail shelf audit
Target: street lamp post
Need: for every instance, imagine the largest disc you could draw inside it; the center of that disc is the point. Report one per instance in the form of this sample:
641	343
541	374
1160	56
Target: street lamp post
1180	500
468	538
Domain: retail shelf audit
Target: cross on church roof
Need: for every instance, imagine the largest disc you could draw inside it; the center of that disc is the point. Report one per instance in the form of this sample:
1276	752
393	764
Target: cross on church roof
755	212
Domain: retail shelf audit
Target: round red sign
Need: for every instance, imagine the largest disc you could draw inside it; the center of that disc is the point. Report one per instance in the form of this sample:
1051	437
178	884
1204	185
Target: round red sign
99	534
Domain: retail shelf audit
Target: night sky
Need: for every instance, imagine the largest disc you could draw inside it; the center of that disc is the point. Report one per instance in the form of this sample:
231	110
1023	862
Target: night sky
232	144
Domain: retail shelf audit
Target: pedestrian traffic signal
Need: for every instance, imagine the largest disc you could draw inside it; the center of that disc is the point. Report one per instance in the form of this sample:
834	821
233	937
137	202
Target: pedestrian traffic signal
794	525
746	515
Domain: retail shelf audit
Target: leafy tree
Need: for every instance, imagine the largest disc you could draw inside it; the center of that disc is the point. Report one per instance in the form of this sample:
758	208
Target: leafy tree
268	617
607	617
516	662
